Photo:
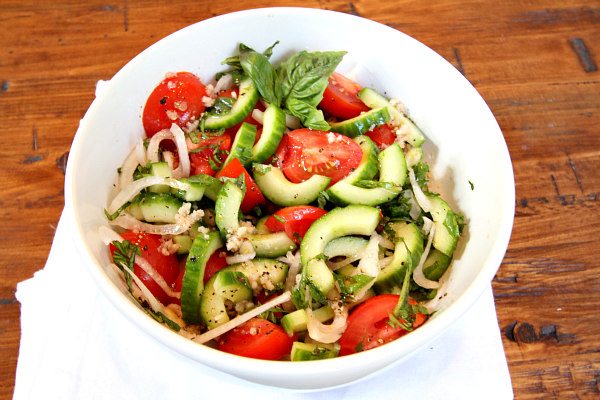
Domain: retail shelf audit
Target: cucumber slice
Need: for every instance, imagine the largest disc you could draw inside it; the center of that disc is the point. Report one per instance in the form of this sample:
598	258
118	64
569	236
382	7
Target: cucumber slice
159	207
227	284
272	245
347	246
277	188
134	209
200	185
160	169
344	193
446	233
319	274
413	156
261	270
436	265
243	106
184	242
261	226
312	351
408	242
363	123
296	321
350	220
272	132
392	165
367	168
241	148
227	208
411	132
193	279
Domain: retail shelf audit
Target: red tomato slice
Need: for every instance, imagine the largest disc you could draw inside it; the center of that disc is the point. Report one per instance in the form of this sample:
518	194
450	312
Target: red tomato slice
166	265
202	152
257	338
177	98
253	196
383	136
368	325
340	98
295	220
304	152
215	263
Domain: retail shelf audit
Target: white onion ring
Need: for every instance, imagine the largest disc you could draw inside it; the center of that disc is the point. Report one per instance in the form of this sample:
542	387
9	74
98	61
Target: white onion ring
140	152
334	266
421	197
128	168
224	83
258	116
183	170
127	221
330	333
369	264
152	152
418	274
129	192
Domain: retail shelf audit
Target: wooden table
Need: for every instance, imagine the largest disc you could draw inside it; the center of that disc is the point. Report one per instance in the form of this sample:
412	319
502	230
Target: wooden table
534	62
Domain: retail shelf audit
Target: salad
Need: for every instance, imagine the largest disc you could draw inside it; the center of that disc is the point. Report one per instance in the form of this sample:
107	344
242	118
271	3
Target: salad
281	212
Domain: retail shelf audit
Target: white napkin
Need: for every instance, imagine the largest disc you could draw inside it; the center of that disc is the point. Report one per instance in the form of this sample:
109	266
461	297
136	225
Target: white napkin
76	345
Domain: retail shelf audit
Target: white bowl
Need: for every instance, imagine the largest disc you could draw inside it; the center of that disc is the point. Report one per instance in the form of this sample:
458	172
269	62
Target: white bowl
465	145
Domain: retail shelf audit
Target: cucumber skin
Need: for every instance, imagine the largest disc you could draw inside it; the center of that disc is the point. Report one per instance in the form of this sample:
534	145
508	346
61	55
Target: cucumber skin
212	303
247	98
193	280
241	148
159	207
271	134
363	123
272	245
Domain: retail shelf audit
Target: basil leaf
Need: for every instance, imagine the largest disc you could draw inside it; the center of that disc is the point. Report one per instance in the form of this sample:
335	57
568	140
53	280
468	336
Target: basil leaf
308	114
262	73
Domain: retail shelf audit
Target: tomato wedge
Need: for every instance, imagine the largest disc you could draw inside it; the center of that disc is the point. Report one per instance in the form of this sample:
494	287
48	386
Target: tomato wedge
340	98
214	264
207	155
303	153
383	136
253	196
294	220
257	338
177	98
166	265
368	325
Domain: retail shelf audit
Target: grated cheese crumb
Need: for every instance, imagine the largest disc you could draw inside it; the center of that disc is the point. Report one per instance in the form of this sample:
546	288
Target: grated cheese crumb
172	115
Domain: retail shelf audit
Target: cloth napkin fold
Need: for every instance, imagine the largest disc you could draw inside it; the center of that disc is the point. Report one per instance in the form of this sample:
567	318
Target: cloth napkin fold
76	345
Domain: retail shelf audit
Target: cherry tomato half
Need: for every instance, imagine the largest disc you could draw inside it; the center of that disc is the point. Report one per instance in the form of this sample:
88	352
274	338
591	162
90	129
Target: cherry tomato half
303	153
166	265
253	196
294	220
383	136
340	98
177	98
257	338
368	325
205	151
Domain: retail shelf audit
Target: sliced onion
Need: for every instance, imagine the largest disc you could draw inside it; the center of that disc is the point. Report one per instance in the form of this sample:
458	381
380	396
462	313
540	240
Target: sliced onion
293	261
140	152
240	319
292	122
183	170
240	258
129	192
421	197
107	235
128	168
330	333
152	152
224	83
258	116
127	221
170	159
369	264
386	243
152	301
427	225
418	274
334	266
384	262
415	210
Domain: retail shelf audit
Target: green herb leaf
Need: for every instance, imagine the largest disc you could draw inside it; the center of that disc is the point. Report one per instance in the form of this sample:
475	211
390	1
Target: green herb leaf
124	257
309	115
163	319
421	170
279	218
262	73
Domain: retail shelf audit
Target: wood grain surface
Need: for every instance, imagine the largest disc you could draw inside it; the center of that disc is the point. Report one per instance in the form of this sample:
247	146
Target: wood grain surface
534	62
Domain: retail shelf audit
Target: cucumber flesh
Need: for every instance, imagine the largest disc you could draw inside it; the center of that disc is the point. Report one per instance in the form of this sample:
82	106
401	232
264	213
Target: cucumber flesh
159	207
201	185
277	188
160	169
436	265
272	245
243	106
241	148
227	284
446	233
344	193
272	132
311	351
367	168
192	285
392	165
363	123
296	321
227	208
263	271
347	246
